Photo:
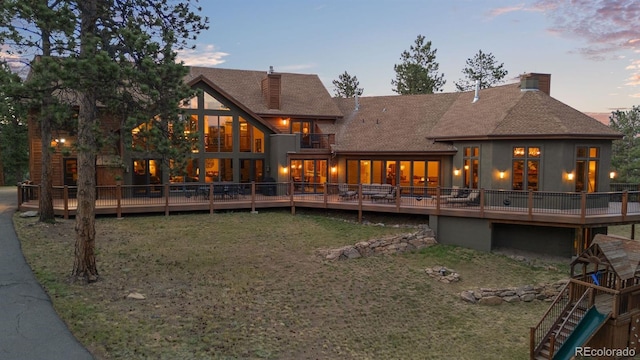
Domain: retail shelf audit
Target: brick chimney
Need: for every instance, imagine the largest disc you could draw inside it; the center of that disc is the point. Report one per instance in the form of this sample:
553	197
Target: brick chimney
535	81
271	89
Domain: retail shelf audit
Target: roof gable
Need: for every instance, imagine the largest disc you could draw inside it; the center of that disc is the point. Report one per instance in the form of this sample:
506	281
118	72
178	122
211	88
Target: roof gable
301	94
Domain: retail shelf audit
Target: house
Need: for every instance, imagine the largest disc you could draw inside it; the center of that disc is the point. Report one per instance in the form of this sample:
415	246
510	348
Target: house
255	126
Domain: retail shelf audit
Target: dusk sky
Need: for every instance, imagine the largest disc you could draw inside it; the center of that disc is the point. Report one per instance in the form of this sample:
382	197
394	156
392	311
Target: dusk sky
591	48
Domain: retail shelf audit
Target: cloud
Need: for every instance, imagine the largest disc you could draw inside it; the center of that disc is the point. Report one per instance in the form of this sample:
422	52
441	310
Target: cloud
606	25
504	10
634	65
208	56
537	7
634	80
637	95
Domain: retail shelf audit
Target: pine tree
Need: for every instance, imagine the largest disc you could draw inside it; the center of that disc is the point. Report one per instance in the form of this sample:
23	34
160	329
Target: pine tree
118	53
418	72
625	159
347	86
483	67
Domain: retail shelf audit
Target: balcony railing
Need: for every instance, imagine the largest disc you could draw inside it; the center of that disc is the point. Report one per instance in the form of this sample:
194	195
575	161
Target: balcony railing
553	207
316	141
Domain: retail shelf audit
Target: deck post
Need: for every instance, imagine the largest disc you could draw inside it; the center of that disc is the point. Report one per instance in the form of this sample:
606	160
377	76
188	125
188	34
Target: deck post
325	195
20	192
552	345
211	209
65	196
438	193
532	341
398	200
118	200
360	203
530	204
253	197
293	204
625	203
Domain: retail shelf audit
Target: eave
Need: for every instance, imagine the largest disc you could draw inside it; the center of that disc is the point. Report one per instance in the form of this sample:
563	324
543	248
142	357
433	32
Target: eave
378	154
528	137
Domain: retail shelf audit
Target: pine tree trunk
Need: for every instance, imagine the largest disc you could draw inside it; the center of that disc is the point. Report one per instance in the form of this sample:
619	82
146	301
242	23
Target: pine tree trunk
45	199
84	266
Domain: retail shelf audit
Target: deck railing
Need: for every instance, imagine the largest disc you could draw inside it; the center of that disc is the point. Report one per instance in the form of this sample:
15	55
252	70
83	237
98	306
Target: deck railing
410	199
573	317
549	320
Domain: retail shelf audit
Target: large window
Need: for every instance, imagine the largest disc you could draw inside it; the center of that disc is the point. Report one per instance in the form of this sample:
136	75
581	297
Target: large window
251	170
218	133
309	175
418	173
587	159
526	168
471	166
233	145
251	138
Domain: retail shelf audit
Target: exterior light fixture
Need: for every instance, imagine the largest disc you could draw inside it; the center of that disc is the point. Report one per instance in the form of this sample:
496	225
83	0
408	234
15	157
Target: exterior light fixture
334	169
456	172
501	174
570	176
285	169
612	175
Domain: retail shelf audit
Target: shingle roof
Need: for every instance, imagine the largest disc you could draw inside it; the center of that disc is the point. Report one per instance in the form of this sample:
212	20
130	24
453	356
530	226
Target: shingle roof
623	254
413	122
506	111
301	94
400	123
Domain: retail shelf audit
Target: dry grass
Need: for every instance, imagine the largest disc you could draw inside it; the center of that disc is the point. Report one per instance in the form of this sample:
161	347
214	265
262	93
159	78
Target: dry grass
249	286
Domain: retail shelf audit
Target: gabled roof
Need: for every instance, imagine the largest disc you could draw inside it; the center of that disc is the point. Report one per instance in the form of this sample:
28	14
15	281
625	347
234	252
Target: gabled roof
301	95
622	254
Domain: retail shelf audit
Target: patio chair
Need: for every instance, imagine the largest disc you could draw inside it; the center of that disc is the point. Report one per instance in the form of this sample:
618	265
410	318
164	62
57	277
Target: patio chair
473	198
388	196
455	193
345	194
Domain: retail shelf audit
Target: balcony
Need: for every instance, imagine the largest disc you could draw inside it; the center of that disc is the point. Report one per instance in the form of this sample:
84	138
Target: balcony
315	141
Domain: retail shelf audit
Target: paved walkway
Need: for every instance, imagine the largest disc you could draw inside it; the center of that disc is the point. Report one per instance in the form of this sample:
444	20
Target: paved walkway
29	327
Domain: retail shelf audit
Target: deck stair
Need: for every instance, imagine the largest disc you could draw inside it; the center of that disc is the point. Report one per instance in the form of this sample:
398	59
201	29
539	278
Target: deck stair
552	336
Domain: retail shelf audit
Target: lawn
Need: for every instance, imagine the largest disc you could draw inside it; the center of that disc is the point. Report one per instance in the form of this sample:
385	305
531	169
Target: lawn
251	286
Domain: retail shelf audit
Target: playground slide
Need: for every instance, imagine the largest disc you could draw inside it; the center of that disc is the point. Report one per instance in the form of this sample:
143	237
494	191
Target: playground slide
583	331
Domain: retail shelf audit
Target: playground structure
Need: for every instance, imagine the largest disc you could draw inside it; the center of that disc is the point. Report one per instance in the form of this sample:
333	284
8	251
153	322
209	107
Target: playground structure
600	305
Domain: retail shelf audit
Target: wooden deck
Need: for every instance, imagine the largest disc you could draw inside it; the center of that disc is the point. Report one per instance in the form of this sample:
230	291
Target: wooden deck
557	209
